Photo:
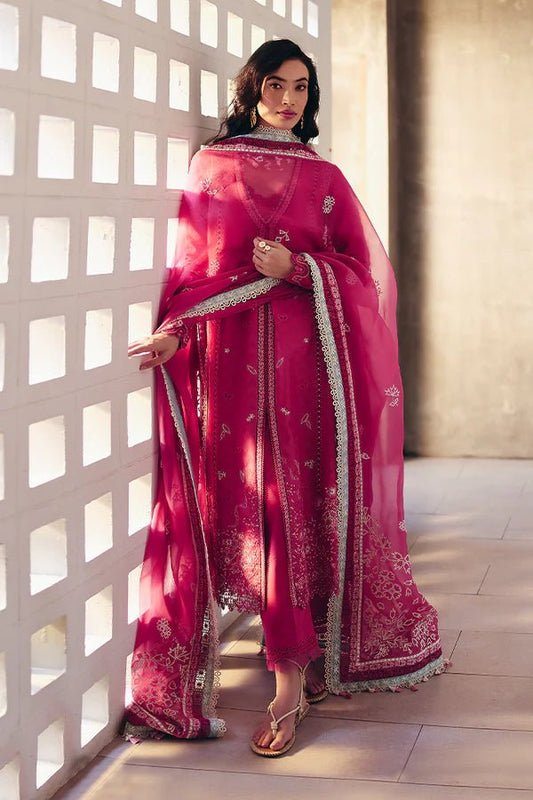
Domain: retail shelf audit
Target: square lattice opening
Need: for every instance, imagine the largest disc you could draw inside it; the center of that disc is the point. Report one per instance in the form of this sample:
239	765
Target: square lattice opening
96	432
50	752
4	249
144	74
146	9
144	158
106	154
142	243
98	620
58	49
180	16
178	88
100	245
9	781
209	93
48	654
46	445
139	503
9	36
48	555
56	148
106	62
98	517
98	337
139	416
3	685
177	163
94	710
47	349
139	321
208	23
3	578
50	249
7	141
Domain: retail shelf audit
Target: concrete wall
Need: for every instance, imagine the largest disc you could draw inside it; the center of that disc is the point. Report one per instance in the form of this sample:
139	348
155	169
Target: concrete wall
462	200
460	203
360	103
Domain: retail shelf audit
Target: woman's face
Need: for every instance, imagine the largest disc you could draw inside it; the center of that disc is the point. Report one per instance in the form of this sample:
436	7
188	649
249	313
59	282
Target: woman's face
284	95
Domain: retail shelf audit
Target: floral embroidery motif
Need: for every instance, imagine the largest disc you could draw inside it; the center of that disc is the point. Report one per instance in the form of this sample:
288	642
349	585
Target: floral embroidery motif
285	411
283	236
402	525
394	393
300	268
377	284
305	420
221	474
225	430
250	417
205	186
327	205
163	626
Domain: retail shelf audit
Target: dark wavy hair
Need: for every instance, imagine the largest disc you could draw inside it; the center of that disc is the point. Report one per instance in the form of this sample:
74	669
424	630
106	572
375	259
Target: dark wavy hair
249	82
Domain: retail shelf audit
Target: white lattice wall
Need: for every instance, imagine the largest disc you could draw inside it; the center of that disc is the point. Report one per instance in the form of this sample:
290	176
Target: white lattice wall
102	104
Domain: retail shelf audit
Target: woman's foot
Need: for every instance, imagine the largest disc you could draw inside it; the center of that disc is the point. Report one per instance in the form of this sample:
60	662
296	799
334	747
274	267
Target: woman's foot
288	692
314	678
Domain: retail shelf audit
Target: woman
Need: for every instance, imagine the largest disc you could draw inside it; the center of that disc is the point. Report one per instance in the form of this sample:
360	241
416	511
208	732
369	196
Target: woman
280	415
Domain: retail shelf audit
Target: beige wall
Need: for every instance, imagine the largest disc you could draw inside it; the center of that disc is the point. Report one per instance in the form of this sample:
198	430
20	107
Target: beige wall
360	104
461	218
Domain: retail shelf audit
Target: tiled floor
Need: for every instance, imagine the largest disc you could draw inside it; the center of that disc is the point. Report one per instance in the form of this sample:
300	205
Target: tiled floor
465	735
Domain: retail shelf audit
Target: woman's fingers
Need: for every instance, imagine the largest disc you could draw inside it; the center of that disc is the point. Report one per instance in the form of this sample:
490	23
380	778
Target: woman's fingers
138	348
155	360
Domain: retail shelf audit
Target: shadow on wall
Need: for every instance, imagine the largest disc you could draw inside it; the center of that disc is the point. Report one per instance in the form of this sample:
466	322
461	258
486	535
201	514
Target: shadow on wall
407	90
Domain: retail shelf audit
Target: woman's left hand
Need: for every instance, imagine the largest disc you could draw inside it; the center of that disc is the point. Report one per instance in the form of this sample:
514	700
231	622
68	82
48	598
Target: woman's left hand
271	259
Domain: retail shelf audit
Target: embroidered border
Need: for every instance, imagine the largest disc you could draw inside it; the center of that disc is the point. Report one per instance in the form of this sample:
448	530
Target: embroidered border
204	679
334	620
247	148
333	368
232	297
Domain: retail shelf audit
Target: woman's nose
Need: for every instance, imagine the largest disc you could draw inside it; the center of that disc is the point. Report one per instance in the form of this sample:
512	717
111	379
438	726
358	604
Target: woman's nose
287	97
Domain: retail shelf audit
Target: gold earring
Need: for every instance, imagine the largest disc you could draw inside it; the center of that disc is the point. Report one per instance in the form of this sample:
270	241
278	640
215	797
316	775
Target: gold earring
253	117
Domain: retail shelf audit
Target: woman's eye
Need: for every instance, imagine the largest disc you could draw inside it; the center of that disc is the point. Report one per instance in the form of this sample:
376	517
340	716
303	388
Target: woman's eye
275	85
302	87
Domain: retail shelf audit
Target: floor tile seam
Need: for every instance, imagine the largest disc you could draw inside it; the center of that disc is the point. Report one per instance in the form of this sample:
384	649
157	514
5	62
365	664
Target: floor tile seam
484	579
316	714
458	638
452	671
347	779
399	778
321	715
303	777
413	724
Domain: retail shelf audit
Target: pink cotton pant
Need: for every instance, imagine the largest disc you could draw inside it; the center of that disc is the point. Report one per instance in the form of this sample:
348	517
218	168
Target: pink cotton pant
289	631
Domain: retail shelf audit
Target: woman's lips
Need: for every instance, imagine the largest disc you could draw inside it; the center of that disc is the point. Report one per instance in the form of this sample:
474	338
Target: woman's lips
287	114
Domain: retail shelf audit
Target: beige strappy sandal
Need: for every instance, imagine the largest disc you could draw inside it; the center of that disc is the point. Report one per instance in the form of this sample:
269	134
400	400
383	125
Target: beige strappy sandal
301	711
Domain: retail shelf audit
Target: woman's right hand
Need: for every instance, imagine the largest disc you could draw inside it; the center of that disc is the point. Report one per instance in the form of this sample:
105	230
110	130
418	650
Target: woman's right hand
159	347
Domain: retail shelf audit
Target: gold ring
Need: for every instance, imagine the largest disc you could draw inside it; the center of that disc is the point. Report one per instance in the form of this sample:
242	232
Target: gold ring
262	245
267	248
